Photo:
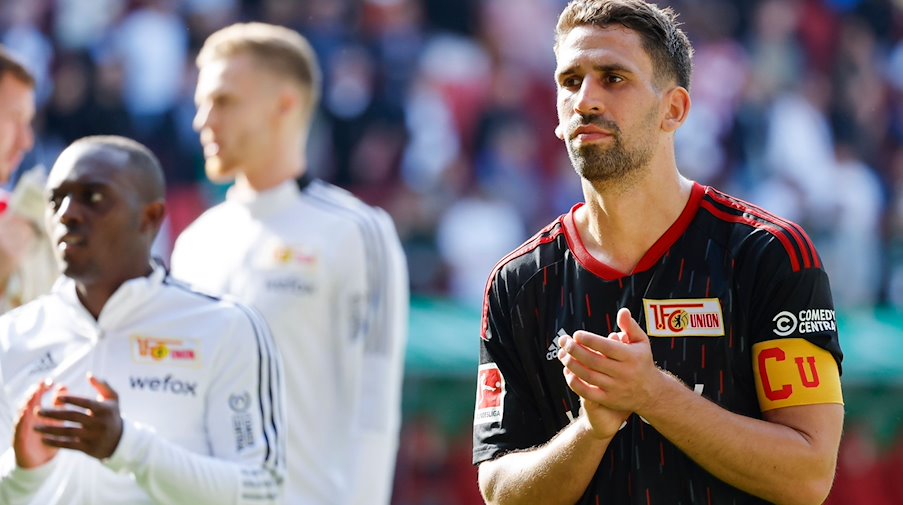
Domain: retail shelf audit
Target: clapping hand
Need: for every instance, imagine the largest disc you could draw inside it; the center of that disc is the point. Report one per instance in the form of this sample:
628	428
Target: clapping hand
93	427
616	372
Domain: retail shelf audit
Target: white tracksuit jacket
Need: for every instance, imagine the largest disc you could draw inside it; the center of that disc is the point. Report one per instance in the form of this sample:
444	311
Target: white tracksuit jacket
328	274
199	385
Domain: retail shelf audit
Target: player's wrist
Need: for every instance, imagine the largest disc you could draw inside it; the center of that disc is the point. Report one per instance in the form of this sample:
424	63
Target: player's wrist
588	431
598	427
657	393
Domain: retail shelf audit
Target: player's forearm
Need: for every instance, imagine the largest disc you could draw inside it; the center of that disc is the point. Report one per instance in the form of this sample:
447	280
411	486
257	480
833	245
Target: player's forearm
170	473
767	459
555	473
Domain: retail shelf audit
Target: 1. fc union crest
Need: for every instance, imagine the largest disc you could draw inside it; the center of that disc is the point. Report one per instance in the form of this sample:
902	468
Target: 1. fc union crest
701	317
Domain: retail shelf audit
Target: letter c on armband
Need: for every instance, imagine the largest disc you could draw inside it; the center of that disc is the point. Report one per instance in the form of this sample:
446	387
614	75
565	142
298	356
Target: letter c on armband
794	371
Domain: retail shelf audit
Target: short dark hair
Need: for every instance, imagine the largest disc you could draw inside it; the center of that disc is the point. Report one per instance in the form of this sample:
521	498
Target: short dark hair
10	65
664	41
141	159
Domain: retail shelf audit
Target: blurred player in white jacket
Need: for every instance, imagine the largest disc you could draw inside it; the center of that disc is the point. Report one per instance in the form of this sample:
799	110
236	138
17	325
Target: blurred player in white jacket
326	271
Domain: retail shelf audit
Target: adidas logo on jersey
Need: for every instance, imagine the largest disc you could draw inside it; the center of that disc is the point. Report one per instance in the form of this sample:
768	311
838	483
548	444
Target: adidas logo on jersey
45	364
554	347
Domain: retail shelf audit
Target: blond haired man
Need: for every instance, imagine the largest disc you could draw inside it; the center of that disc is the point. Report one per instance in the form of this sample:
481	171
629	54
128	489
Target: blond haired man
326	270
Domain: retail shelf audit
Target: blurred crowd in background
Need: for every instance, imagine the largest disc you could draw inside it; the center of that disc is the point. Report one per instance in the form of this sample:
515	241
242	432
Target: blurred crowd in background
443	112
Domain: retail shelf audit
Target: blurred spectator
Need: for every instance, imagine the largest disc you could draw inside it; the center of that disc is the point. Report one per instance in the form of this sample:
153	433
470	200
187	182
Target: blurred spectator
441	105
721	69
81	24
777	59
407	95
799	146
25	37
852	255
508	169
520	32
153	71
475	231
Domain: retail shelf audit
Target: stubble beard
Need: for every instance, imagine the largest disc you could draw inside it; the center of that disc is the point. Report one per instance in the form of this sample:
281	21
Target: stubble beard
604	165
597	164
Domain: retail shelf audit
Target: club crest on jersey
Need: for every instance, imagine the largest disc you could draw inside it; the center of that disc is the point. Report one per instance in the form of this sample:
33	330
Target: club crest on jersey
294	255
152	350
490	394
700	317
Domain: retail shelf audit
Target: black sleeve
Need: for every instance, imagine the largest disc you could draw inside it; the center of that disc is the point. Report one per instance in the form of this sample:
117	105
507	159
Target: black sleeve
505	416
790	303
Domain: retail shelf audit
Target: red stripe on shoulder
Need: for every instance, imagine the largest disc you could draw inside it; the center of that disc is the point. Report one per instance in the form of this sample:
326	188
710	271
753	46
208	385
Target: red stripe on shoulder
544	236
800	237
769	227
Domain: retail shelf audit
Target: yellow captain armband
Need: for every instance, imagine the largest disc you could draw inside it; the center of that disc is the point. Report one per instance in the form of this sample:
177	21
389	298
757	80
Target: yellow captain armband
793	371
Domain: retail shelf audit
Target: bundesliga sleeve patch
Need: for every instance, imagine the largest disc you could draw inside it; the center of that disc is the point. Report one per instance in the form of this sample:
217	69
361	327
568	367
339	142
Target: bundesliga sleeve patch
793	371
490	395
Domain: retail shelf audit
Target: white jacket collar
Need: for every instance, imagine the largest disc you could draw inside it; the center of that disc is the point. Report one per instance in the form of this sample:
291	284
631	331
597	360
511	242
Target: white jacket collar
262	203
130	296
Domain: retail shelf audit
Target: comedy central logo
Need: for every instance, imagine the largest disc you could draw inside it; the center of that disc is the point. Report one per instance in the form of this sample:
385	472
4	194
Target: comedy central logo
153	350
684	318
784	323
804	321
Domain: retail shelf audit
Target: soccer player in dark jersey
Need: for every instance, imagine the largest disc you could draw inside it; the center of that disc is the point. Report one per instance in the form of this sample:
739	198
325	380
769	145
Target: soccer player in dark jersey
663	342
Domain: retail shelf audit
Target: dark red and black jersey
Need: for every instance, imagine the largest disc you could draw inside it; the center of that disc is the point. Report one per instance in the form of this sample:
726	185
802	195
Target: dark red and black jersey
725	276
